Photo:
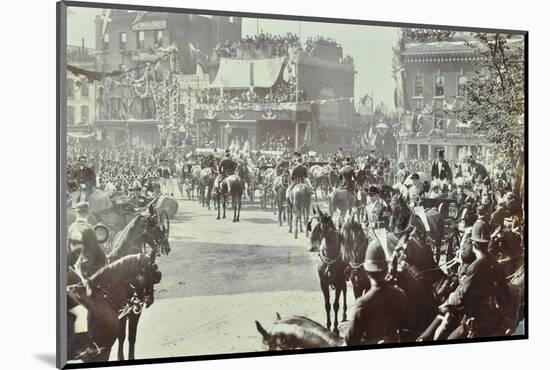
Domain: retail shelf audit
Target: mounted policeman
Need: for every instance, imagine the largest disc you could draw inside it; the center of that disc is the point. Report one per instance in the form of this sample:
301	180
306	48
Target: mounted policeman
347	176
226	168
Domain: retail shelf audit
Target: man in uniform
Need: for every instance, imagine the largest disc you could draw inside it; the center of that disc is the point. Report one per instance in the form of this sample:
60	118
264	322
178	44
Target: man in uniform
84	251
383	312
347	175
226	168
483	292
377	209
441	169
86	179
298	175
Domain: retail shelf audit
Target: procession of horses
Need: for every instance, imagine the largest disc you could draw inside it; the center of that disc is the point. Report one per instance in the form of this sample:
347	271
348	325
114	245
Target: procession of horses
410	246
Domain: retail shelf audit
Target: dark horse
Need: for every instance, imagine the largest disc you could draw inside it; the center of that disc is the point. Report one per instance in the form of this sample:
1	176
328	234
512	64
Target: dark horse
233	186
401	215
297	332
124	285
331	266
354	248
144	230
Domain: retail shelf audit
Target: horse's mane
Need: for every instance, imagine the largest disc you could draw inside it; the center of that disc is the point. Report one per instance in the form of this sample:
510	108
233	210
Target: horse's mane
119	271
308	330
353	240
121	239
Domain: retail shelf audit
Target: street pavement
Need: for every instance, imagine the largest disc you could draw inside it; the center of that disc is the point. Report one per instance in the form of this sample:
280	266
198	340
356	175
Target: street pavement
221	276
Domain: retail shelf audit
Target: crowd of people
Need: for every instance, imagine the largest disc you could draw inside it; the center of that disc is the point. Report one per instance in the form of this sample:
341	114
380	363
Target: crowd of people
280	45
283	92
320	40
271	142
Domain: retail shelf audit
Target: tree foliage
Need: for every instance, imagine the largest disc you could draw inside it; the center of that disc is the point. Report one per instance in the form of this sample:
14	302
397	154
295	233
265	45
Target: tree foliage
494	96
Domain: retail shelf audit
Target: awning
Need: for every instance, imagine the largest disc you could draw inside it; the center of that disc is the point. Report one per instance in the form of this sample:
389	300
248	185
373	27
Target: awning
236	73
233	73
266	71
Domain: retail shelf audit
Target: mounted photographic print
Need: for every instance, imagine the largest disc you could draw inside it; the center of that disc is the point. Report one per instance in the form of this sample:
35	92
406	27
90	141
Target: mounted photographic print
238	184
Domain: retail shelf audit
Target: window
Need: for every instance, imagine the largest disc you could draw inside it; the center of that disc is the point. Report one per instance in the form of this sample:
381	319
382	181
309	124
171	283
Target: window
123	40
439	85
84	90
84	114
418	85
231	19
70	88
141	40
461	85
70	115
106	41
158	37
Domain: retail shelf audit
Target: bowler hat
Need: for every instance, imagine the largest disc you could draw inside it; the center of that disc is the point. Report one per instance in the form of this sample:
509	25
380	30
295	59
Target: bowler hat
372	190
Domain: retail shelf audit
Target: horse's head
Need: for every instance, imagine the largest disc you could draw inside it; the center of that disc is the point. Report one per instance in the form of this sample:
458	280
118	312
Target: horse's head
399	213
145	281
296	332
318	227
156	230
353	240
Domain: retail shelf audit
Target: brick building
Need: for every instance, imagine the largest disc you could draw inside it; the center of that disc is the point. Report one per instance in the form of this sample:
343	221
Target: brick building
430	89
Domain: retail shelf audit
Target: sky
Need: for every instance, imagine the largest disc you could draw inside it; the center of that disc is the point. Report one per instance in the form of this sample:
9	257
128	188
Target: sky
370	46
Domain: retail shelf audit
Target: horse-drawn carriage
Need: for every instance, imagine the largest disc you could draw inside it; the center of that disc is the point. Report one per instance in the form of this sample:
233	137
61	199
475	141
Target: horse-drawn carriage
120	208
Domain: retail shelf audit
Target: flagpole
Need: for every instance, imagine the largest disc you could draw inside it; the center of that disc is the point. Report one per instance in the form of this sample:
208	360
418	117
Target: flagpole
297	128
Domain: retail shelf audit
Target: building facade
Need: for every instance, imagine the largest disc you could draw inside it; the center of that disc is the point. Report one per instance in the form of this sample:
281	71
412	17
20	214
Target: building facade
81	92
431	80
146	49
315	112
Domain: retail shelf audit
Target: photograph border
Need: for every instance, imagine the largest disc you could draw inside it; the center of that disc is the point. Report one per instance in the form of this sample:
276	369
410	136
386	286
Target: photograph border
61	74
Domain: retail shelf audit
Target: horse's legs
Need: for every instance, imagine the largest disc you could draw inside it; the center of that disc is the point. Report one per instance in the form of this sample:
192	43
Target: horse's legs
235	202
289	214
297	221
224	204
326	294
121	338
306	221
344	295
218	201
239	211
132	332
336	306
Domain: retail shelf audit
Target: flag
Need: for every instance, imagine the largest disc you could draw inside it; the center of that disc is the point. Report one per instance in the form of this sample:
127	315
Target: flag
193	49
